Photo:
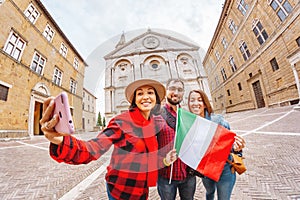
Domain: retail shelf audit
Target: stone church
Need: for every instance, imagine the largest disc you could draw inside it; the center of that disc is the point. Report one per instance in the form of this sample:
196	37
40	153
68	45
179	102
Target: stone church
155	55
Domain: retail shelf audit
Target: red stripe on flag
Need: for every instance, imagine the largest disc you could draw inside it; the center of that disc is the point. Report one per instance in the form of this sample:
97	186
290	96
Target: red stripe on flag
213	161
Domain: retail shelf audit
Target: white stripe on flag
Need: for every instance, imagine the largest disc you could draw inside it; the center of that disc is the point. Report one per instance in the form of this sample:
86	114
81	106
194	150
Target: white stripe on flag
197	141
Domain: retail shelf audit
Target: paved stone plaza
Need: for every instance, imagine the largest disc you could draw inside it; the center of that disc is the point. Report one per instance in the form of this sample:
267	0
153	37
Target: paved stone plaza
272	158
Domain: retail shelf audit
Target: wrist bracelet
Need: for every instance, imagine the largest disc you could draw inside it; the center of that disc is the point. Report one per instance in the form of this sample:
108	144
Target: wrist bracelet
165	162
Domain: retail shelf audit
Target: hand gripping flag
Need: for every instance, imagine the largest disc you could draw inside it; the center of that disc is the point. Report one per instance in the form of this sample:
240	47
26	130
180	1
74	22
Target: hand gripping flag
201	144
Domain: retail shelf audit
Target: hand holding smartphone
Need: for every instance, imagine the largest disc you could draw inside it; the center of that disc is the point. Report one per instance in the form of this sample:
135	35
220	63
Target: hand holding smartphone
62	109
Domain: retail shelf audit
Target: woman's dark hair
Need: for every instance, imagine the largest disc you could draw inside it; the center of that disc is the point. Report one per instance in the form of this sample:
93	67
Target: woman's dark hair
155	111
205	100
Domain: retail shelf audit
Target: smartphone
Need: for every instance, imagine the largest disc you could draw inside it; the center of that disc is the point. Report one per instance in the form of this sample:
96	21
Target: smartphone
62	109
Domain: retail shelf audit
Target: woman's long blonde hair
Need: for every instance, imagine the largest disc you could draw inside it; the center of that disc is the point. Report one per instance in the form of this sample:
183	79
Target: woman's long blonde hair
204	99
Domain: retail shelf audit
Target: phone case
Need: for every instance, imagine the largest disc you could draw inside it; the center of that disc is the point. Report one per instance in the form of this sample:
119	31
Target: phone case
62	109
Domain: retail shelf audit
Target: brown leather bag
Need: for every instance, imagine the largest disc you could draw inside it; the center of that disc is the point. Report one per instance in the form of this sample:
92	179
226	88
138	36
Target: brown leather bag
237	164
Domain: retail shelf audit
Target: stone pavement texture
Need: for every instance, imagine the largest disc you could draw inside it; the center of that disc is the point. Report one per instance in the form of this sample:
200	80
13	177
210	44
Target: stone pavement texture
272	158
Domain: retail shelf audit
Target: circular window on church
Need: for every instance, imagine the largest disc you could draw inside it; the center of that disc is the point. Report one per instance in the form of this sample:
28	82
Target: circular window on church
122	66
154	64
184	60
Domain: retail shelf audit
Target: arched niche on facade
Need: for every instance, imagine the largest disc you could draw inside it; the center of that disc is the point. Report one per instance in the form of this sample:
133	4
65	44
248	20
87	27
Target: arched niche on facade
123	72
41	89
154	66
186	65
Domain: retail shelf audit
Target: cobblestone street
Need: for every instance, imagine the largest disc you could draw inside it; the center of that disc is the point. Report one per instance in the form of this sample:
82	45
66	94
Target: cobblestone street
272	158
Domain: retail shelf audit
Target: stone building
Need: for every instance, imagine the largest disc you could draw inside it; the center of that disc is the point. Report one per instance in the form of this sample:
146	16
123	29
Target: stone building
253	60
36	61
155	55
89	111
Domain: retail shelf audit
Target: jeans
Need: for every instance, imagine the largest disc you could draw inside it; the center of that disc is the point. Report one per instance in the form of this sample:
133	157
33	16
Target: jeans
185	187
109	194
224	186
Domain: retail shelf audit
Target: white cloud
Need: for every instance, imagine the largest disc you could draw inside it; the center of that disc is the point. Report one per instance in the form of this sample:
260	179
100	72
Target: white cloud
87	24
94	25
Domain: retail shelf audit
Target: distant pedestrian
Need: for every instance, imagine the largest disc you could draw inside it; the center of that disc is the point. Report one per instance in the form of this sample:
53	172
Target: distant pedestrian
134	160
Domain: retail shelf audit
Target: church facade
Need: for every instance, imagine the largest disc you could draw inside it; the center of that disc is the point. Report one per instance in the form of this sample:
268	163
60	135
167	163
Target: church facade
153	55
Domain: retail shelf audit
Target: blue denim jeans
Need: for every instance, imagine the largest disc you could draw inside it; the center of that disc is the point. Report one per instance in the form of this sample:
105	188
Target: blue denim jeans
224	186
109	194
185	187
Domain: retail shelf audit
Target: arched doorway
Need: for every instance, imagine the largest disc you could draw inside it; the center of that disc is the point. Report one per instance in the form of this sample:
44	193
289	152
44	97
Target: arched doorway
39	93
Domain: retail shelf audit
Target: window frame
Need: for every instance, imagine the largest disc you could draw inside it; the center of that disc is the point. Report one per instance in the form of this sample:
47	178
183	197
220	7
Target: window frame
224	42
57	76
4	90
244	50
281	10
242	7
232	26
154	64
38	63
240	86
274	64
232	64
29	14
73	86
63	49
217	80
76	63
217	54
14	45
228	92
123	66
259	31
47	34
223	73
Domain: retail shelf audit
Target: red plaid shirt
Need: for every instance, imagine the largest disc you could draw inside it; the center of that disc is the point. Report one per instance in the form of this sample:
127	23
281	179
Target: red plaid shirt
133	164
165	144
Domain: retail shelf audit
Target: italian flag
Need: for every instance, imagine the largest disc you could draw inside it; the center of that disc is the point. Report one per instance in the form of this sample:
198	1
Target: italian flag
201	144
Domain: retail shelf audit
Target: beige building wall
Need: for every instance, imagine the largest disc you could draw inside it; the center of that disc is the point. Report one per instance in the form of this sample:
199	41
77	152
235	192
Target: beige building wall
254	83
23	88
89	117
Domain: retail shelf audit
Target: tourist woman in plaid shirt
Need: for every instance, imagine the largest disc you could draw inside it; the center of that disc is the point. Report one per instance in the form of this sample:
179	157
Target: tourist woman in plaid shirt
134	160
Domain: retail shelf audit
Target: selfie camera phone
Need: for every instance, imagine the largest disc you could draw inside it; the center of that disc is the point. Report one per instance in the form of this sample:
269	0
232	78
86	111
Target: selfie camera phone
62	109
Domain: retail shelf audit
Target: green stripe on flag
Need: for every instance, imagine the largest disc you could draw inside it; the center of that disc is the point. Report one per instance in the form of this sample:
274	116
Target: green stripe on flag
185	121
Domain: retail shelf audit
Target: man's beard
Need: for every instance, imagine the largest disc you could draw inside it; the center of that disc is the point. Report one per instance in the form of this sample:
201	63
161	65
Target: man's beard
174	103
